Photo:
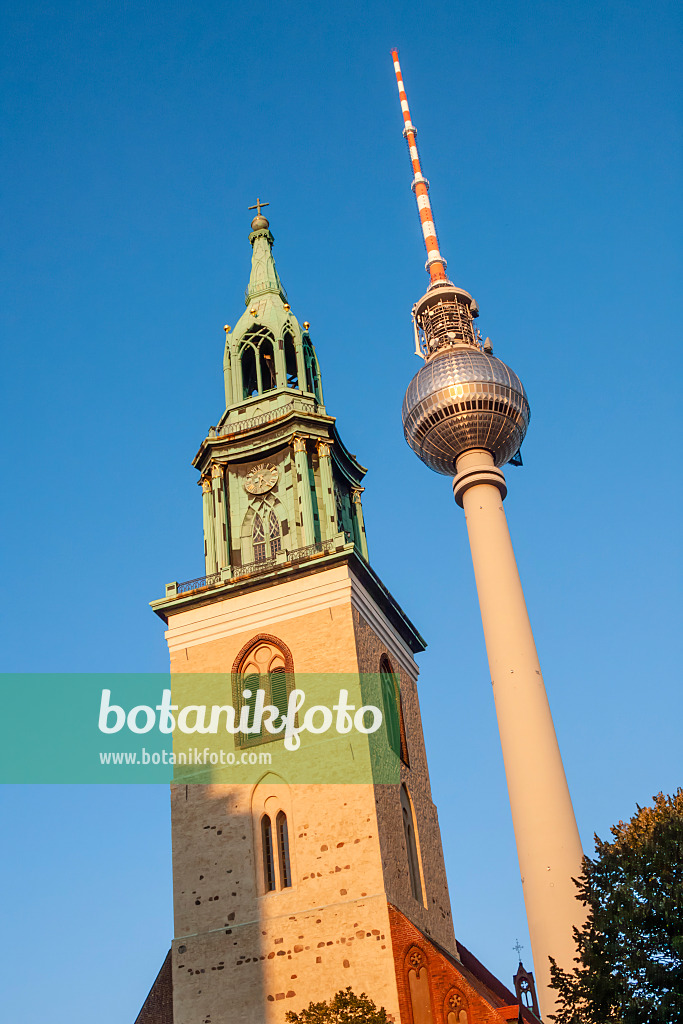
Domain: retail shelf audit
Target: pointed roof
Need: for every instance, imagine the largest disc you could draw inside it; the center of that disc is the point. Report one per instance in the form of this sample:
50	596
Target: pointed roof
264	278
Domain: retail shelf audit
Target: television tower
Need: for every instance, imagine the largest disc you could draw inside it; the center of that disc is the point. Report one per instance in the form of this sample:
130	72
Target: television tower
466	412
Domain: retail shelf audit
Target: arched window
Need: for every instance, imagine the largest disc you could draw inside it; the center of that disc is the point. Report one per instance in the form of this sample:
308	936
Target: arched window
267	851
265	663
249	375
312	369
290	361
393	710
283	850
258	538
267	364
418	987
411	846
274	534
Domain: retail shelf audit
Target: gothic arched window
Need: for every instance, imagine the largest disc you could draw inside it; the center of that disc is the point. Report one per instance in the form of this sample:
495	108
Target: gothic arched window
312	369
411	845
274	534
267	365
283	850
290	361
265	663
249	375
258	539
393	710
267	852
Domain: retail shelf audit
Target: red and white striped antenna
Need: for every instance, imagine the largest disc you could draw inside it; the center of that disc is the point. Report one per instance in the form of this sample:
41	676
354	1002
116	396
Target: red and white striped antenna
436	264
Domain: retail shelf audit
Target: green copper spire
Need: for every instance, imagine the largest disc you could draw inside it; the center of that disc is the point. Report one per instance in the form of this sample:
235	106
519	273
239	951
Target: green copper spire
264	276
268	351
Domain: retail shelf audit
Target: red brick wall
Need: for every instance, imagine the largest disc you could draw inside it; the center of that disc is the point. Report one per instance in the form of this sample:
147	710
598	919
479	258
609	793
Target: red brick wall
448	979
158	1006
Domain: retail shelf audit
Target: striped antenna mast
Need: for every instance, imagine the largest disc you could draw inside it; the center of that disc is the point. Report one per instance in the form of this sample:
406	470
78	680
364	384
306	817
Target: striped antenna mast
436	264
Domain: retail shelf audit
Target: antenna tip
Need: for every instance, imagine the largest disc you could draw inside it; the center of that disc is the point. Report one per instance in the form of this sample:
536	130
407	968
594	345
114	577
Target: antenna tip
394	53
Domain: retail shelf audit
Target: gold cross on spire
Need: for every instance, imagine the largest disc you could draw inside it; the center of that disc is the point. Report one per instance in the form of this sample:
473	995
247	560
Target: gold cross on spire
258	206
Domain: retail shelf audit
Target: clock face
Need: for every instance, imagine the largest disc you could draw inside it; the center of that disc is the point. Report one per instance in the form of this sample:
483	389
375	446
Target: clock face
261	478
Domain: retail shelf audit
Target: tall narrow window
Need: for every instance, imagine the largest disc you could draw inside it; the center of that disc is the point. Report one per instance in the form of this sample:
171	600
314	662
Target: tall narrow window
390	708
249	378
258	538
267	362
312	370
267	849
411	845
274	534
283	850
393	710
290	362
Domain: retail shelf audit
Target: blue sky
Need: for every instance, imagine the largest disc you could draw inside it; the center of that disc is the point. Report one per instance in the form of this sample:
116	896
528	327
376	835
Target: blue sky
136	137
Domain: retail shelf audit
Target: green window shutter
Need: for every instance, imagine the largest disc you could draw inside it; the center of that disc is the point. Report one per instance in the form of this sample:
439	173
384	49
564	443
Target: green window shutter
251	682
278	690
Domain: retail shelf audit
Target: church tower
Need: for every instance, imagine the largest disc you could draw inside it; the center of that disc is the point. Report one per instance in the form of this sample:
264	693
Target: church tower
287	890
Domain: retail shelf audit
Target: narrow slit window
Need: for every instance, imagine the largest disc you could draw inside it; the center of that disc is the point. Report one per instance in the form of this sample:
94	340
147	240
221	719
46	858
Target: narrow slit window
268	860
283	850
411	846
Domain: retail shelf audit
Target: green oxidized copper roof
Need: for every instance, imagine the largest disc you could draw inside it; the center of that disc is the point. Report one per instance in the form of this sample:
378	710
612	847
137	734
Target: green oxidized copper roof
264	277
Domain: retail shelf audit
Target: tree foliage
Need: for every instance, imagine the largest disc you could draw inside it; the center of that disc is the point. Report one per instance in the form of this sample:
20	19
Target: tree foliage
345	1008
630	950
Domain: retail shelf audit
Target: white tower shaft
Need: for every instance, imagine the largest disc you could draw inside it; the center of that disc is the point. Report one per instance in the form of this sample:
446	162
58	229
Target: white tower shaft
548	844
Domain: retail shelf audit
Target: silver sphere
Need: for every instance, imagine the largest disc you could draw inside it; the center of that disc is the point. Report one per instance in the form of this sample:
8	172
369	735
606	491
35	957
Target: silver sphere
463	398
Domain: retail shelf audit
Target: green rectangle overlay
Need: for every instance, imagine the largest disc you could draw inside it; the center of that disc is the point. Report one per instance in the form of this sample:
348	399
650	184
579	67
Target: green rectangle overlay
197	728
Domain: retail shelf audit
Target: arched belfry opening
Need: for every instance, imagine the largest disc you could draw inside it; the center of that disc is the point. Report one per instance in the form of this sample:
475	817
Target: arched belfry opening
291	367
249	374
312	368
257	362
267	365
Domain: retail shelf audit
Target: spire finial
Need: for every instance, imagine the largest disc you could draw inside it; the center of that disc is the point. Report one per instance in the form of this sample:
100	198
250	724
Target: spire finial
259	220
519	947
436	264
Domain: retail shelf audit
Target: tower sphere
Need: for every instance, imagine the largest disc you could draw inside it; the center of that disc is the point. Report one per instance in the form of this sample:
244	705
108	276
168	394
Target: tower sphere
464	398
259	223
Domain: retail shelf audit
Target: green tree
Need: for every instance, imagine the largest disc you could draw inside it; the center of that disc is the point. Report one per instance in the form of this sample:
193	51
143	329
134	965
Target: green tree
345	1008
630	950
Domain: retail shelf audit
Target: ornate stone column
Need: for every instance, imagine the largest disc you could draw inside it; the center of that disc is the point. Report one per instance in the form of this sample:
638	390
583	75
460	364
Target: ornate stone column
303	483
327	483
221	518
359	522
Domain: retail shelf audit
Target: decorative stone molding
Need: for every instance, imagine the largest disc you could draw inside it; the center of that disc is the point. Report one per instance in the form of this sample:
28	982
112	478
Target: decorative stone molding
415	959
323	449
206	485
298	443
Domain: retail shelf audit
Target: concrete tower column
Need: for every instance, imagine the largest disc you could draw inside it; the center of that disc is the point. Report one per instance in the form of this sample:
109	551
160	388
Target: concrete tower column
548	844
